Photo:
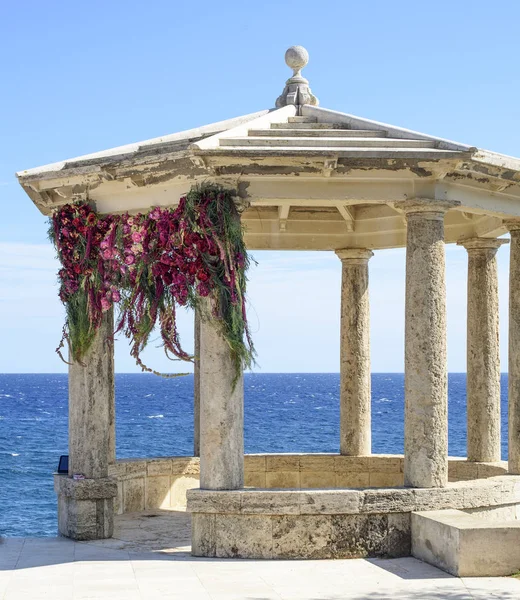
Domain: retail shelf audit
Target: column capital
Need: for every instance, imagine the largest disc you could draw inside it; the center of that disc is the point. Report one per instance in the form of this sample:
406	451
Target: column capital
354	256
427	208
481	243
512	224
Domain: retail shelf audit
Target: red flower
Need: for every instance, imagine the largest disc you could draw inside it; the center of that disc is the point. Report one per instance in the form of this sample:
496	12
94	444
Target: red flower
91	219
202	275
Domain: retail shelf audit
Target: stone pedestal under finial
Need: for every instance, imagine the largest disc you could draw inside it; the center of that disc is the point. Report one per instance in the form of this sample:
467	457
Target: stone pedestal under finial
297	90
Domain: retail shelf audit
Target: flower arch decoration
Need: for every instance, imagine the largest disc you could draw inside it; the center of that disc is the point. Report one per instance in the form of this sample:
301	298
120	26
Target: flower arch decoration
146	265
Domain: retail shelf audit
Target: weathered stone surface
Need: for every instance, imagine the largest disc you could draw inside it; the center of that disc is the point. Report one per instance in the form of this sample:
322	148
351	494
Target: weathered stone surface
426	398
255	463
386	479
91	407
85	489
466	545
483	351
243	536
355	400
275	503
209	501
352	480
384	463
180	485
196	383
158	466
352	464
317	479
85	519
399	541
317	462
157	492
255	479
514	349
184	465
302	536
133	495
221	411
388	500
283	479
331	502
203	537
282	462
358	536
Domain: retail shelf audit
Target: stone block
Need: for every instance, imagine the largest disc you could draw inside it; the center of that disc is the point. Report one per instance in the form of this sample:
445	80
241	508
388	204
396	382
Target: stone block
188	465
85	489
491	469
385	464
157	492
465	545
282	479
254	463
133	495
118	500
386	479
203	539
438	498
209	501
331	502
180	484
282	462
388	500
482	493
271	503
86	519
135	468
359	536
352	480
317	479
256	479
302	536
466	470
317	462
243	536
158	466
351	464
399	535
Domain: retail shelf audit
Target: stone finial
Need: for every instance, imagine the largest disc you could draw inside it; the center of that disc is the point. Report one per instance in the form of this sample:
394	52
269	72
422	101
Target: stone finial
297	90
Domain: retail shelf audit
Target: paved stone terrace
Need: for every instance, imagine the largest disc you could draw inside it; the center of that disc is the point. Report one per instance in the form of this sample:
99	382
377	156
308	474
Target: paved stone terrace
149	559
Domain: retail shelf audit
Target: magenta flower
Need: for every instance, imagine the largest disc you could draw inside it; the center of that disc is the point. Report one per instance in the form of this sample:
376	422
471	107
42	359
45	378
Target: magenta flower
137	237
129	259
105	304
116	296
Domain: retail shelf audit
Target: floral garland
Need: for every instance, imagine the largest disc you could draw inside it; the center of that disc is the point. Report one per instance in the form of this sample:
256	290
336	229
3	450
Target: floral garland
146	265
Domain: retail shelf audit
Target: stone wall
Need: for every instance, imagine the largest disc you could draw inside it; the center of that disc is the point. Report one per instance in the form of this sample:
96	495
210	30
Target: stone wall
162	482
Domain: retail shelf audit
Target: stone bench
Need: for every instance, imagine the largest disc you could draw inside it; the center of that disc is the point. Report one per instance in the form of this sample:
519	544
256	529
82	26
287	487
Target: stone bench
466	545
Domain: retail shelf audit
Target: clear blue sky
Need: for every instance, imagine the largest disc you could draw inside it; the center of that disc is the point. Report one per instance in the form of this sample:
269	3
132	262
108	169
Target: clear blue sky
82	77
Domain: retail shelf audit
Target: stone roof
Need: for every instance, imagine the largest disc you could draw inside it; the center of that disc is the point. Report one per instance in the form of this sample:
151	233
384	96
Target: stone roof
298	163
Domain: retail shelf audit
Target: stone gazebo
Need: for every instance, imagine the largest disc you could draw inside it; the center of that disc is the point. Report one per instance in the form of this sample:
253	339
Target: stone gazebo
313	179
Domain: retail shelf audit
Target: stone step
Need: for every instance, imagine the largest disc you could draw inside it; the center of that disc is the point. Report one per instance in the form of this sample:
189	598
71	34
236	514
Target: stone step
466	545
326	142
302	119
343	133
309	126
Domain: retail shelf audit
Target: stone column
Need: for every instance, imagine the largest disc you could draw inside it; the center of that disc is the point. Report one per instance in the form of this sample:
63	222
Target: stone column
483	351
514	348
426	393
86	507
355	398
196	385
221	411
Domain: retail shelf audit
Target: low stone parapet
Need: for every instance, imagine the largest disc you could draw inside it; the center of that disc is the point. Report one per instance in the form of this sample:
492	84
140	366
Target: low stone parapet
344	523
162	482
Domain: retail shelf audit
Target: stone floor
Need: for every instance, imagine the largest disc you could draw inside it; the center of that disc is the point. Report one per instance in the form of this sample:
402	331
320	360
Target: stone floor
149	559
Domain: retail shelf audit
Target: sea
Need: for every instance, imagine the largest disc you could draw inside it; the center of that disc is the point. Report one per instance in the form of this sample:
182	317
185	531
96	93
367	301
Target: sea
294	412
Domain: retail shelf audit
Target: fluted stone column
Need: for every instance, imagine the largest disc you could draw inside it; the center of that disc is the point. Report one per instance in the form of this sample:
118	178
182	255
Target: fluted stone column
355	398
483	351
196	385
86	507
426	394
221	411
514	348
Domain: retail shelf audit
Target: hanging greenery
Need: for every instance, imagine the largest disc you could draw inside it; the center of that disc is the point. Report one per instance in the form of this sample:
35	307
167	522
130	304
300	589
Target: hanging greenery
147	265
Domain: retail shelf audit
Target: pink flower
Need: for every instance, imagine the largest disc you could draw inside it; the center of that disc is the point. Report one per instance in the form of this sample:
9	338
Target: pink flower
104	245
129	259
155	214
137	237
105	304
107	254
116	296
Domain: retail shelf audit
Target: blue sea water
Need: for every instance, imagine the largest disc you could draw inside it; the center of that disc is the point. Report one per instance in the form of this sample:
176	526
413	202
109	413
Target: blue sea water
283	413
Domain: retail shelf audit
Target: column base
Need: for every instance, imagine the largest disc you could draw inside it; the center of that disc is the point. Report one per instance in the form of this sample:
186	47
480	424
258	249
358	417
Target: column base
85	507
